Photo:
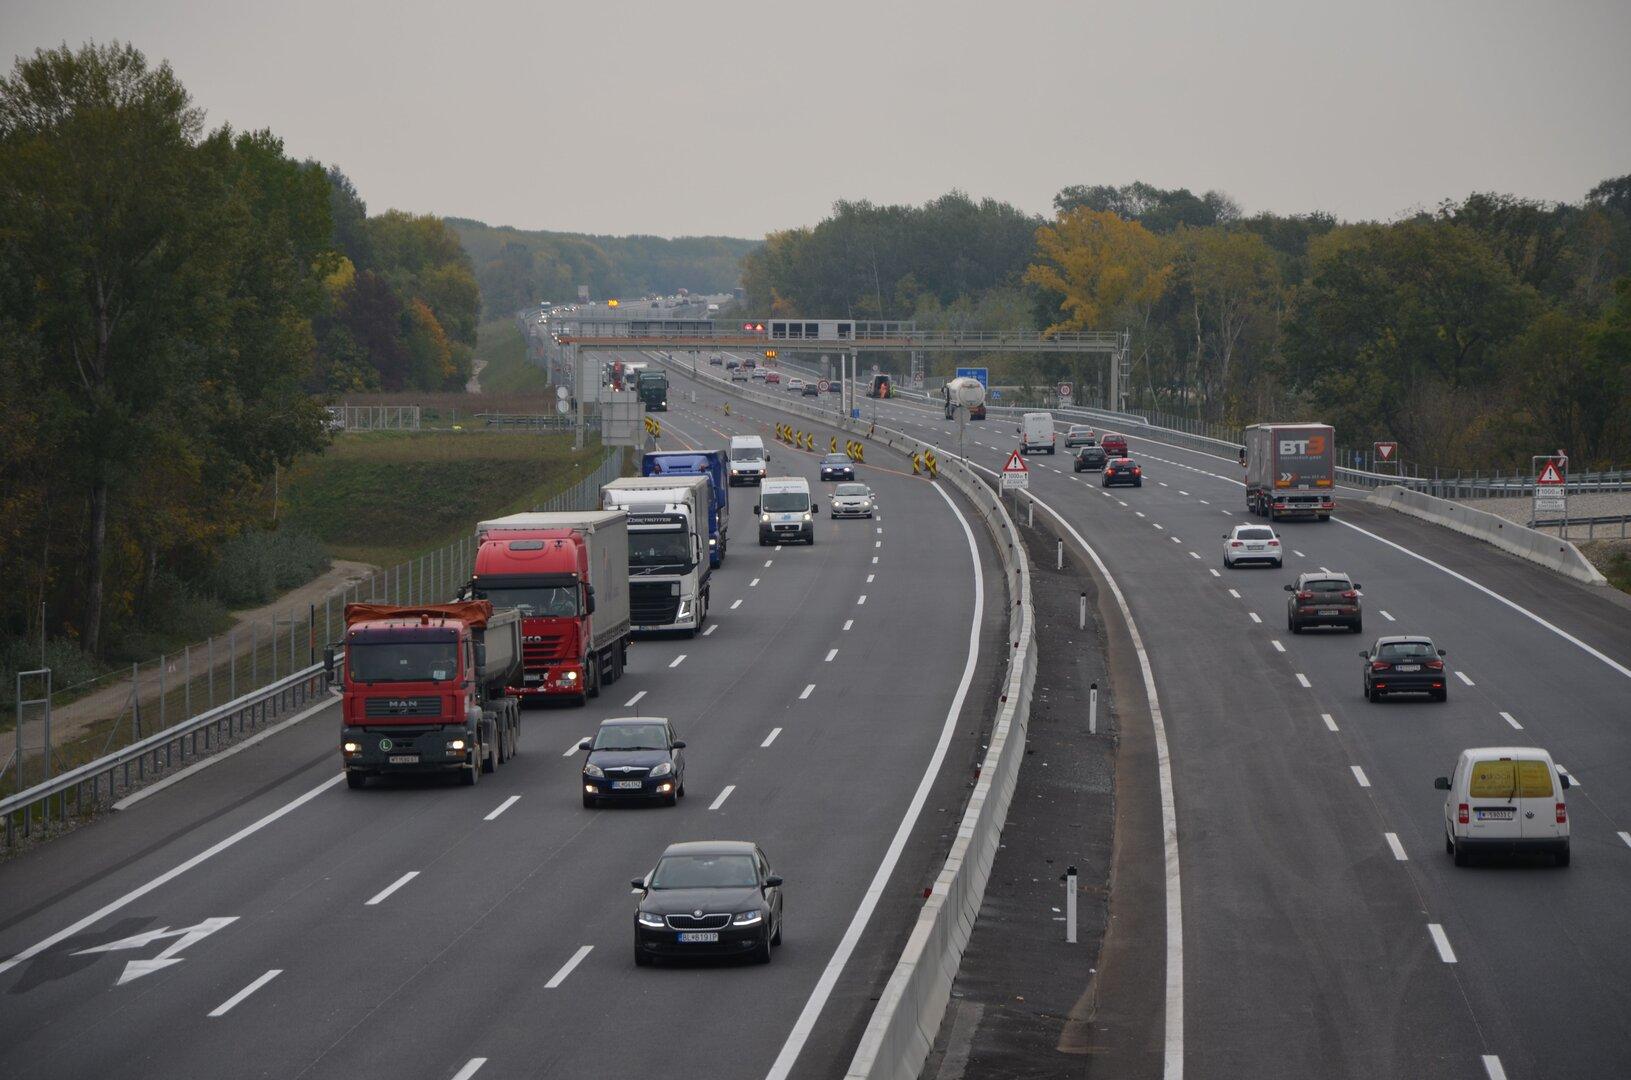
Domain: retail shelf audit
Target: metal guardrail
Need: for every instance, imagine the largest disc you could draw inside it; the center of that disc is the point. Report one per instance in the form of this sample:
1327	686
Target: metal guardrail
152	756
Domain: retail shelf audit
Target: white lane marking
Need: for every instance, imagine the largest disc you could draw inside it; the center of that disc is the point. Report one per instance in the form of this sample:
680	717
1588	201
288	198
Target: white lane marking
1462	675
874	560
1196	555
877	543
870	577
848	623
1626	836
1234	594
811	1012
1213	571
1359	775
880	529
1299	554
768	562
771	737
1508	718
470	1069
1398	848
830	654
1330	721
1492	1067
723	795
1138	513
1388	617
678	660
1177	540
1574	781
1303	681
1160	526
1124	504
735	604
711	628
752	583
807	691
1181	491
1325	570
1205	503
570	750
629	704
862	599
1163	483
170	875
227	1005
778	547
1277	646
1255	617
380	896
566	969
503	806
1442	943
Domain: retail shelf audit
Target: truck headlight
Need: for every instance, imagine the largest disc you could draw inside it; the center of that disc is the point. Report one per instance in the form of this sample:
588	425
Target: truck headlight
455	746
764	519
806	515
590	769
570	676
351	747
685	609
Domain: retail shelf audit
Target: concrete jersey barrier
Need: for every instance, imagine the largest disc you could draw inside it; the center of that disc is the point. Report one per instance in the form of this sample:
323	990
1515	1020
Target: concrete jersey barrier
1524	542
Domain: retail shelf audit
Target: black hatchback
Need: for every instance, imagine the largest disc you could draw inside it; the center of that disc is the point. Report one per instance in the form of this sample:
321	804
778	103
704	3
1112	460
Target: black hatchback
708	898
633	758
1406	664
1090	457
1122	471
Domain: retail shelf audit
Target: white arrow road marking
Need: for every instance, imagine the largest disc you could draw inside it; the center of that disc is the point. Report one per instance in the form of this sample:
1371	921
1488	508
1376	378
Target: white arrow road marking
228	1005
185	936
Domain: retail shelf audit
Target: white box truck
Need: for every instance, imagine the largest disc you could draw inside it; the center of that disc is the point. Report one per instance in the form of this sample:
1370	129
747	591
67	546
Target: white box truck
669	575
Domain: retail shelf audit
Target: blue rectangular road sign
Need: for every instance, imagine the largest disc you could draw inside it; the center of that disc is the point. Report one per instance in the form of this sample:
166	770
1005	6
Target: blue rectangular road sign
975	373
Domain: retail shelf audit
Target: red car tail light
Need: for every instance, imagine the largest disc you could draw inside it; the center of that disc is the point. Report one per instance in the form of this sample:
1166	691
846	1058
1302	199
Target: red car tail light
1305	595
1435	665
1274	543
1350	595
1562	814
1236	543
1381	665
1137	471
1462	815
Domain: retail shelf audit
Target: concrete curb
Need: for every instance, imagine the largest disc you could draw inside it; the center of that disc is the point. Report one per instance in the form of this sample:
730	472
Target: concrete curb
1526	543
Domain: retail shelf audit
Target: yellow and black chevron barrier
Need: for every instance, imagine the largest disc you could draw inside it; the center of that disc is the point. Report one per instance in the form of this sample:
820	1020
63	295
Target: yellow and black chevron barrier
933	464
917	463
809	441
654	427
834	444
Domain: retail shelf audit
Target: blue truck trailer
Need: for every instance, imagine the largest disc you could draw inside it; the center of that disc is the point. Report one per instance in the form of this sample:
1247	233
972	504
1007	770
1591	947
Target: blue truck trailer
713	464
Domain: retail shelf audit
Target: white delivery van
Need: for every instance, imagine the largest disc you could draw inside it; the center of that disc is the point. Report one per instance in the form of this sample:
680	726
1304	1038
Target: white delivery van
1036	433
785	511
749	460
1505	799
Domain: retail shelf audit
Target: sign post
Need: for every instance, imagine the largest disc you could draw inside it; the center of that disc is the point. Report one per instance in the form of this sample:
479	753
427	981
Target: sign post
1551	489
1387	452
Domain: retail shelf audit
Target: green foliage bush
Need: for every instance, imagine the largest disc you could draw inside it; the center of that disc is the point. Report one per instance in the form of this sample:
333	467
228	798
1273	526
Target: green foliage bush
69	664
256	567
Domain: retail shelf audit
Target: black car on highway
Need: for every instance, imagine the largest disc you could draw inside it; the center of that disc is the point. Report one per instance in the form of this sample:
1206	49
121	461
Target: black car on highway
708	898
1405	664
1122	470
810	390
633	758
1091	458
837	467
1324	599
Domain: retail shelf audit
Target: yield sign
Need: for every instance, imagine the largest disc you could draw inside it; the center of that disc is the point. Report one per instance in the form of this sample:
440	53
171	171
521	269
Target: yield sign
1549	475
1386	450
1016	464
185	936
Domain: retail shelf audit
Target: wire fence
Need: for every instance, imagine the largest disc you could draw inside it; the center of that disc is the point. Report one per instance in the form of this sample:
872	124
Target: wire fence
99	716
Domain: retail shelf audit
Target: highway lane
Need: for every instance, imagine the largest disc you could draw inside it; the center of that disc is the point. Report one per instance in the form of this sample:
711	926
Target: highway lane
1308	940
456	963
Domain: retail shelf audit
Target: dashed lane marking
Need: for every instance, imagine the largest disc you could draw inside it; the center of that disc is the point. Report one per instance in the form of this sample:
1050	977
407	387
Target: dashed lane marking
380	897
1330	721
771	737
723	795
1359	775
566	969
1398	848
1441	943
503	806
808	690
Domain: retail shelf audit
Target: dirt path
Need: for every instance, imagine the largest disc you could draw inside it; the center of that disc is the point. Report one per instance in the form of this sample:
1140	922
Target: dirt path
473	385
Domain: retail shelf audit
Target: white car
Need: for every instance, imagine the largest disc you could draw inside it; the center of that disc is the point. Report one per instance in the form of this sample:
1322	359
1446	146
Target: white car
853	500
739	375
1505	800
795	385
1252	543
760	373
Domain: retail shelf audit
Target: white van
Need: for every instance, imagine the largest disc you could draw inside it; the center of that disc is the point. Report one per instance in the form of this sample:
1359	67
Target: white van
1505	799
748	459
785	511
1036	433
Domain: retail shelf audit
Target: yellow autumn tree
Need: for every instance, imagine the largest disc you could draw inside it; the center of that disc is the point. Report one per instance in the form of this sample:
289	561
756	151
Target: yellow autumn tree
1103	266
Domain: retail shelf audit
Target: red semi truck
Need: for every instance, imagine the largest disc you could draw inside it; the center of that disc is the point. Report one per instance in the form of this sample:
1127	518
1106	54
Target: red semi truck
423	689
568	575
1290	470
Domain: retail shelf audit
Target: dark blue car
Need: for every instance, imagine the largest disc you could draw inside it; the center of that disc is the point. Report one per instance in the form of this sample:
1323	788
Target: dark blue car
633	758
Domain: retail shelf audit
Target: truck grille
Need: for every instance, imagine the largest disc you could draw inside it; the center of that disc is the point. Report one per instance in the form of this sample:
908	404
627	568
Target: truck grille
652	603
415	706
691	922
538	653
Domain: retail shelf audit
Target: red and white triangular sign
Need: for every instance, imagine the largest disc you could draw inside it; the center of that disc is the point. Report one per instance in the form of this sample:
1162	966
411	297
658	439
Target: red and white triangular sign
1384	450
1016	463
1549	475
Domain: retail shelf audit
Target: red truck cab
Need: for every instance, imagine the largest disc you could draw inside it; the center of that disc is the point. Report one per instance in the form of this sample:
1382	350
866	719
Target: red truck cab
541	573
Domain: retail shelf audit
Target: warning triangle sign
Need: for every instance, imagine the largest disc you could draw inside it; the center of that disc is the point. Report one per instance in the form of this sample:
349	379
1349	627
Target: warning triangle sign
1016	463
1550	475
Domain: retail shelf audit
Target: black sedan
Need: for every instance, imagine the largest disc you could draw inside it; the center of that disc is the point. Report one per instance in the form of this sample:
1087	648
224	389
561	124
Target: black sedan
1090	458
708	898
837	467
1324	599
1404	665
1122	471
634	758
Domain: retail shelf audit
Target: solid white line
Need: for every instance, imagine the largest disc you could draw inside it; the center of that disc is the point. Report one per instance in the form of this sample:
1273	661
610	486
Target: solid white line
1442	943
808	690
752	583
1255	617
723	795
1508	718
678	660
848	623
830	654
1234	594
862	600
170	875
227	1005
771	737
735	604
1277	646
380	896
1462	675
1330	722
503	806
1388	617
1303	681
566	969
1359	775
1398	848
630	703
811	1012
470	1069
711	628
1492	1067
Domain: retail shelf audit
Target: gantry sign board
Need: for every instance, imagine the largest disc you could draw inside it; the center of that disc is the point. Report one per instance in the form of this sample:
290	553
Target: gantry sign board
1551	488
982	375
1016	474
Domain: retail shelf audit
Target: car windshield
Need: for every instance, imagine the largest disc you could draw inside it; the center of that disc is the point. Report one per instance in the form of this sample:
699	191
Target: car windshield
785	502
1406	650
705	872
1254	534
535	603
405	661
835	459
1327	585
747	453
632	737
659	548
852	489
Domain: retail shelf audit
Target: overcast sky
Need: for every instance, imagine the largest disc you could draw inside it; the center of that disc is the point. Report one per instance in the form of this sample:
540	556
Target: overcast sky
616	116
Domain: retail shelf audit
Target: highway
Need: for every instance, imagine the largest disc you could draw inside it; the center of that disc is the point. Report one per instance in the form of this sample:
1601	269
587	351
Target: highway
259	919
1325	930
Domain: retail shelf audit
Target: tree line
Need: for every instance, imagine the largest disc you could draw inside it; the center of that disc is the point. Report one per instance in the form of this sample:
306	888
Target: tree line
1474	333
174	301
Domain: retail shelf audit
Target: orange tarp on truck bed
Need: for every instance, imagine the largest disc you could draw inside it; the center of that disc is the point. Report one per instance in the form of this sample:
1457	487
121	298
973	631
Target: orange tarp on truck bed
473	612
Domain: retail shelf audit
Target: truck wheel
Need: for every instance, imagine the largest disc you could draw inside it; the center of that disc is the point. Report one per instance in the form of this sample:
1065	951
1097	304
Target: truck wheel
472	772
591	677
355	779
489	758
515	730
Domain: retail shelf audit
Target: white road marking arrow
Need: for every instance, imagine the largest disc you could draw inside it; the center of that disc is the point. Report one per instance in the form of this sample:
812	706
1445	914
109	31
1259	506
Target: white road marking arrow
185	936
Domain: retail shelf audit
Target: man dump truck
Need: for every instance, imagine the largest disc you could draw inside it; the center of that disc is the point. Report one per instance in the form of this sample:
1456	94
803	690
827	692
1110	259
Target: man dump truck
1290	470
653	387
668	541
715	465
567	574
425	689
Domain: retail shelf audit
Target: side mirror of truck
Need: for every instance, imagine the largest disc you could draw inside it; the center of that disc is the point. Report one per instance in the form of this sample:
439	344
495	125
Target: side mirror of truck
1442	784
328	664
481	656
815	508
755	508
589	599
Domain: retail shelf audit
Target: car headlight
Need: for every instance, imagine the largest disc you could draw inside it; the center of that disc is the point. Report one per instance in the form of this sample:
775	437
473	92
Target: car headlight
748	918
593	770
764	519
648	919
663	769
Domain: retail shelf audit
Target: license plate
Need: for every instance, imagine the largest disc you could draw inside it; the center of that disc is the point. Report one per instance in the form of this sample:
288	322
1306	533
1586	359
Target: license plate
627	785
1254	547
1409	667
1329	611
532	678
699	936
1494	815
404	759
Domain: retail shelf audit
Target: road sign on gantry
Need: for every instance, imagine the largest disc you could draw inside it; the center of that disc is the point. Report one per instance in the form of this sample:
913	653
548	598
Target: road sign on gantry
1016	474
979	373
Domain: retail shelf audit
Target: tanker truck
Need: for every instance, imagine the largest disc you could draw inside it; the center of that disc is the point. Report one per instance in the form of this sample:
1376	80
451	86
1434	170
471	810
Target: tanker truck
423	689
965	393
